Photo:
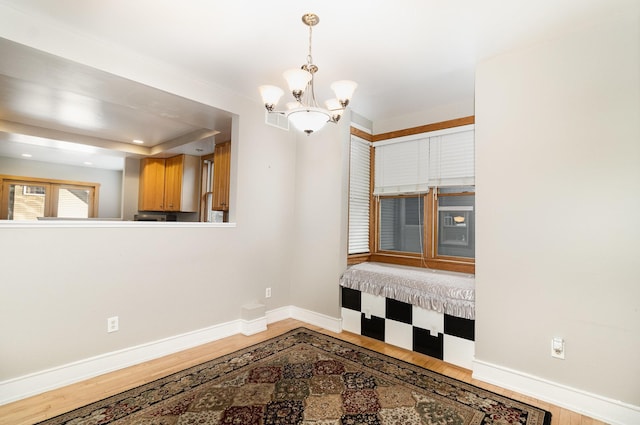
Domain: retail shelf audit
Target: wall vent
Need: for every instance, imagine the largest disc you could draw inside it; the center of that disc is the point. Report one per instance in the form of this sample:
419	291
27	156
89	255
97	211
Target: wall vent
276	120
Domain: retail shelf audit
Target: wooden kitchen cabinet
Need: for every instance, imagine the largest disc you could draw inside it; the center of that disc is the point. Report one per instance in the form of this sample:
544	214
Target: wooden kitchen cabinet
173	183
221	174
151	191
170	184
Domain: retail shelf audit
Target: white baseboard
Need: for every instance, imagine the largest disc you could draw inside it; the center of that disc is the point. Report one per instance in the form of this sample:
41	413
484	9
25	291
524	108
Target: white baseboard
250	327
50	379
318	319
278	314
613	412
329	323
57	377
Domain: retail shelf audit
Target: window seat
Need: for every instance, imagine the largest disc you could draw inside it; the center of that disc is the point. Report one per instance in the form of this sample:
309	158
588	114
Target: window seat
444	292
423	310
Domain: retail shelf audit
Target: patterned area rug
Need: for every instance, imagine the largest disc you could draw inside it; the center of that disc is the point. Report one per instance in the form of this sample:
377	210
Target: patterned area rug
304	377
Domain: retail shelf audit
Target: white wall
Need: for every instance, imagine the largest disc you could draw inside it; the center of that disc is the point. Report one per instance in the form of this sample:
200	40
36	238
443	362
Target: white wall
59	285
319	250
460	109
558	176
110	180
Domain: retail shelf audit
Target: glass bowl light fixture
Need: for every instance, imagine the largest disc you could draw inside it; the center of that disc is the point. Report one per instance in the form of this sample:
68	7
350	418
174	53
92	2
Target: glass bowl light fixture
304	113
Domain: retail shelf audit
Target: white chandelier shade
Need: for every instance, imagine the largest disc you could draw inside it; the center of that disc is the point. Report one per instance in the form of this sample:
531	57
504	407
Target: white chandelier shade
304	113
308	119
297	79
344	90
270	96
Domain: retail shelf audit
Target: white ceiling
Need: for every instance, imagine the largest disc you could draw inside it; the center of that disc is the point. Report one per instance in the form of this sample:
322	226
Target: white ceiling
59	111
406	55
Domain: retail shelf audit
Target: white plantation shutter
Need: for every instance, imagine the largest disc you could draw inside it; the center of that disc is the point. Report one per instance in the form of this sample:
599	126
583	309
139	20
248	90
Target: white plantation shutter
451	159
359	181
402	167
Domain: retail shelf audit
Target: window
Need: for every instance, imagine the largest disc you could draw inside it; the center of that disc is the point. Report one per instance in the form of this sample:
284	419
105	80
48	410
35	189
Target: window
401	224
25	198
422	202
435	230
455	223
73	201
359	195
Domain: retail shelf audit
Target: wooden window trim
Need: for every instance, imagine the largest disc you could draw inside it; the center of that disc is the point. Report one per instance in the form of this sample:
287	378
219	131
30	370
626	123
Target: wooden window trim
204	213
458	122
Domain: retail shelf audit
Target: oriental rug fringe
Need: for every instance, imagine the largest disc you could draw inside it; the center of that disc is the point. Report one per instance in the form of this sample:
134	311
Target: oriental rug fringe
305	377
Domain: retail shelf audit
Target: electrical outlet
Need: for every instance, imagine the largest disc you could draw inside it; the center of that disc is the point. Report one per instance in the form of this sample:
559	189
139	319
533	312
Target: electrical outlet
112	324
557	348
267	293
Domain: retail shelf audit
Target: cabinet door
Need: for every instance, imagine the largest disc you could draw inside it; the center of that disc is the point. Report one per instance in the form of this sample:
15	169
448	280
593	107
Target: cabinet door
173	183
221	170
151	191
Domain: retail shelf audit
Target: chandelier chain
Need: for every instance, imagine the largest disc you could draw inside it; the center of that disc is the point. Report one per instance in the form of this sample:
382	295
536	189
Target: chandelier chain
312	69
309	56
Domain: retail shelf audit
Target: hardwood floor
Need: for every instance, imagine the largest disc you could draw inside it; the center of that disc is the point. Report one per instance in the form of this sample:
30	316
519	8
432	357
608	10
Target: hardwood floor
53	403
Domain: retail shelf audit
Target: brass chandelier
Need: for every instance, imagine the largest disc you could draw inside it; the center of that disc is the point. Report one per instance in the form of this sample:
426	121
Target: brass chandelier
304	113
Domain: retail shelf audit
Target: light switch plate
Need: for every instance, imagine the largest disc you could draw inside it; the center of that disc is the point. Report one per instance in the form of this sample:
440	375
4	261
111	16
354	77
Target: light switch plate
112	324
557	348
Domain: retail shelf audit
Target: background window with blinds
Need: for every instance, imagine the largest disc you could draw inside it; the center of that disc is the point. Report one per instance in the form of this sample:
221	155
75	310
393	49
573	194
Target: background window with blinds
452	159
359	187
413	164
402	167
424	209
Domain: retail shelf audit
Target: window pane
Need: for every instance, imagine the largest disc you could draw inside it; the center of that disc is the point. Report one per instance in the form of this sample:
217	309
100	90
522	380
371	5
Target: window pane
401	224
26	202
456	226
73	203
